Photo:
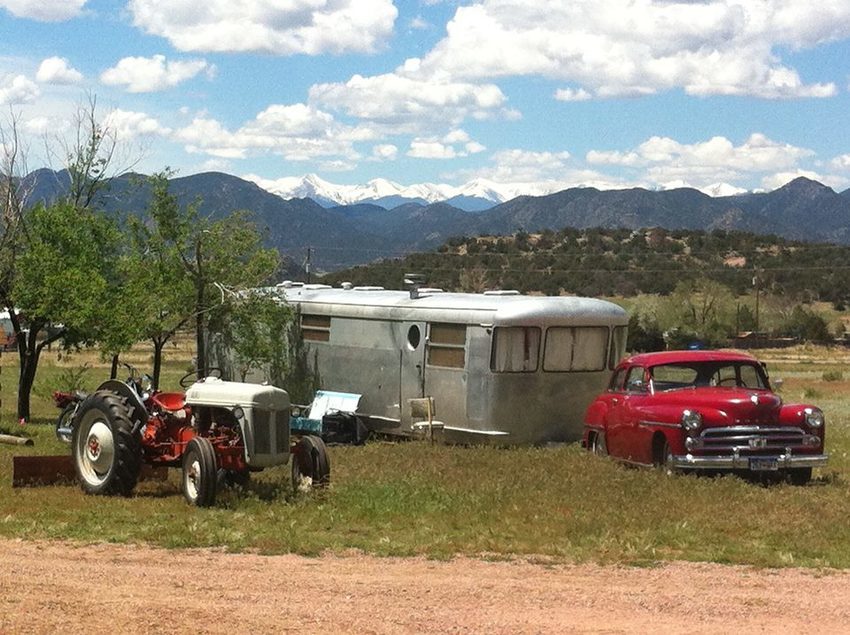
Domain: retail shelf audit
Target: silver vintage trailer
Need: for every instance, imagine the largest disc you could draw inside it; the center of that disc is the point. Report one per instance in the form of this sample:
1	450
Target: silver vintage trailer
501	367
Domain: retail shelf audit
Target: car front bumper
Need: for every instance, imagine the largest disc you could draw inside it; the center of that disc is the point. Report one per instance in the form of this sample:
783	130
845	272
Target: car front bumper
737	461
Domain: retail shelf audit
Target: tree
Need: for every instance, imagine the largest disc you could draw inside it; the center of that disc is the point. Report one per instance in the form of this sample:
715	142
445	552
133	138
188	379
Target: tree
700	309
253	327
62	284
186	265
157	290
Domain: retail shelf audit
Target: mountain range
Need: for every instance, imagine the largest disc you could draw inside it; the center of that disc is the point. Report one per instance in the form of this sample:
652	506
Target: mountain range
344	235
474	196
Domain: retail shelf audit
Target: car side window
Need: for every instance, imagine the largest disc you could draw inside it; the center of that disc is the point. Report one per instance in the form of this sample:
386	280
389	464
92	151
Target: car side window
616	383
634	380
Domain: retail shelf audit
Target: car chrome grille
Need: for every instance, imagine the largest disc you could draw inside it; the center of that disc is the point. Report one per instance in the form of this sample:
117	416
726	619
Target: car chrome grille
753	439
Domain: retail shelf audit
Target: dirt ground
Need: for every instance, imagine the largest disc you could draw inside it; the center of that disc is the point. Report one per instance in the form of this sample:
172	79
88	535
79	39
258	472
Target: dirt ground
49	587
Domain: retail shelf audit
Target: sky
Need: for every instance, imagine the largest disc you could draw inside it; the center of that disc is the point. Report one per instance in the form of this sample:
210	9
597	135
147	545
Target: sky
743	94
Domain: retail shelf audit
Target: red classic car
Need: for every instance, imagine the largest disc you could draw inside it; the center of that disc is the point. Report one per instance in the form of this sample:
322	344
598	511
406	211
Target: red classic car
704	410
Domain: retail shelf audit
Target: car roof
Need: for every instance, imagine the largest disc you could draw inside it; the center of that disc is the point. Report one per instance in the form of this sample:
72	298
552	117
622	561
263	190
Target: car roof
679	357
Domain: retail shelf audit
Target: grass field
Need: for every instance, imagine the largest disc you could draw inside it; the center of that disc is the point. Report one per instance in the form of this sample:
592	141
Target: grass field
557	504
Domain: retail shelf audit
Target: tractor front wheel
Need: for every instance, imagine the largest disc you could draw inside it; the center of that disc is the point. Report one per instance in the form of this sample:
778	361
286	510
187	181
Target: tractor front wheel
311	466
199	473
106	451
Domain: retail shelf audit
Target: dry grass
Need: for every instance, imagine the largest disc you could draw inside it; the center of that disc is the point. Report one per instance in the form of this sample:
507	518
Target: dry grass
559	503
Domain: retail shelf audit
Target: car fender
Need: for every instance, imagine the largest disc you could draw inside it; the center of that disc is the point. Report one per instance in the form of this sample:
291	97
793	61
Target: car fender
595	415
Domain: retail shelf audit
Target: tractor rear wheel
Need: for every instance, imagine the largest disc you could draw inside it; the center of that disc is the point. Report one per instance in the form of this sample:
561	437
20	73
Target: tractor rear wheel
311	466
106	451
199	473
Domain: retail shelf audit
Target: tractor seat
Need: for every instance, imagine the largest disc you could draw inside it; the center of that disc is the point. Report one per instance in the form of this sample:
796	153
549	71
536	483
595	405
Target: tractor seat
170	401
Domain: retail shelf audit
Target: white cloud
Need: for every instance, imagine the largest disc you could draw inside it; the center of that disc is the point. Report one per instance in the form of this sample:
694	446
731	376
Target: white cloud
473	147
57	70
527	166
129	125
757	154
445	147
44	10
419	23
310	27
430	149
611	48
385	152
665	162
572	94
403	104
297	132
779	179
841	162
18	89
151	74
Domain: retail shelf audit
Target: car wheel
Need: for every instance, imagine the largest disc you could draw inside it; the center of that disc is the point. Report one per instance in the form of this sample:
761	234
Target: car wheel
663	457
597	445
199	473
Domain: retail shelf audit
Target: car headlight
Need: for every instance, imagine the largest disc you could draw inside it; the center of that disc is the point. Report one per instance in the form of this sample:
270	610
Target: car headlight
691	420
814	417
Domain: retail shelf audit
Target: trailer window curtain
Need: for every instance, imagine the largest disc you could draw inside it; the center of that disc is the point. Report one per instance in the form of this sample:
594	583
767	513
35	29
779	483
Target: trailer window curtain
618	346
447	345
316	328
516	349
576	349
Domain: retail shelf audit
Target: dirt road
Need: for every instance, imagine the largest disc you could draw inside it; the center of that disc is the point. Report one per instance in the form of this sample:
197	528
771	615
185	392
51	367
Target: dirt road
48	587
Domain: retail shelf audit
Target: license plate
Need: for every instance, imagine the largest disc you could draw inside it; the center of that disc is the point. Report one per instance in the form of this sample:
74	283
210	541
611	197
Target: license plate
759	464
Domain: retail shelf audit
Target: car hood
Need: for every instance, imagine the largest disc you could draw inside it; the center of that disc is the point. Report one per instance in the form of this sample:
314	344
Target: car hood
726	405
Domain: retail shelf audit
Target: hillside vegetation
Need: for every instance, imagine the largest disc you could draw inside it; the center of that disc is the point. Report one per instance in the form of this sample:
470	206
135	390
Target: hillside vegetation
621	262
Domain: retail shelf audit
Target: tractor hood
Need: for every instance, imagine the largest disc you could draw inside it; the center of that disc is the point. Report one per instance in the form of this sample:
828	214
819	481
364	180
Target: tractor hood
212	391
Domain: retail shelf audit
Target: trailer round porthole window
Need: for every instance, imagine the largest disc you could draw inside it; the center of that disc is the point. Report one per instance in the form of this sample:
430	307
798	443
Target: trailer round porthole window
413	337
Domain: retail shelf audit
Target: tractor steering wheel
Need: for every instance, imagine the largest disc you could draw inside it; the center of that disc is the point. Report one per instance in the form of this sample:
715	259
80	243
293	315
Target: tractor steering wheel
190	378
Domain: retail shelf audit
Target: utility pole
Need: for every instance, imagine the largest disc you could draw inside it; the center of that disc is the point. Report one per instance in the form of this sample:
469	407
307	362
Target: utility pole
756	283
307	263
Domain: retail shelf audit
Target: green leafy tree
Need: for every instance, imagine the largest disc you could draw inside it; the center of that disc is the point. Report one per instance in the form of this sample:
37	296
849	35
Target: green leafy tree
63	285
253	326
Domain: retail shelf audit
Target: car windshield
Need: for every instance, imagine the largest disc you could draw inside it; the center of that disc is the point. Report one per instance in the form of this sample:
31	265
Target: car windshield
715	373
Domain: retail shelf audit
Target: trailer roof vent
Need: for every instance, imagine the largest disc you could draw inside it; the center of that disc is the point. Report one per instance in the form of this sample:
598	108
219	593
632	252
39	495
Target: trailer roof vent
314	287
368	288
289	284
502	292
413	282
347	286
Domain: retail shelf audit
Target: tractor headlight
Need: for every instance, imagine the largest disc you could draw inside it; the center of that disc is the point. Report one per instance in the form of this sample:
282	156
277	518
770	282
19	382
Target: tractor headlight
691	420
814	417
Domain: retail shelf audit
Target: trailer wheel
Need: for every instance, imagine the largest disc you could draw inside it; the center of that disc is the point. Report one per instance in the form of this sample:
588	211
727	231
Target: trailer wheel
311	467
199	473
107	454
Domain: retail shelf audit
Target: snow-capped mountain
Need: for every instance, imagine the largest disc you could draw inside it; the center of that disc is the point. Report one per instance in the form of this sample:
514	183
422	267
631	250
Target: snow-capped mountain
476	195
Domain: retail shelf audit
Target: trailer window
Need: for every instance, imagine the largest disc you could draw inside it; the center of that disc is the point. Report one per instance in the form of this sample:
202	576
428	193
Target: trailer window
618	346
446	345
515	349
316	328
577	348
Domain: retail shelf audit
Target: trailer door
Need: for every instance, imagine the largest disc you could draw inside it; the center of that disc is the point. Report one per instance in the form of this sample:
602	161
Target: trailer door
411	367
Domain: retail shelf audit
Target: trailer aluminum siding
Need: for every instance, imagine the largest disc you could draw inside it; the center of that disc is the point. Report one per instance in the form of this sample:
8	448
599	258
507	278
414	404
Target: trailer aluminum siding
366	343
